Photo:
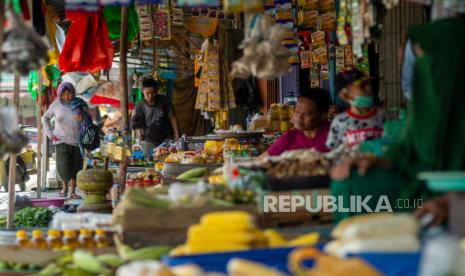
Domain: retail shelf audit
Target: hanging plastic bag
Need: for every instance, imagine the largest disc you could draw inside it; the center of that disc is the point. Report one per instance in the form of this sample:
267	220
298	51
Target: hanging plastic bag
87	47
112	16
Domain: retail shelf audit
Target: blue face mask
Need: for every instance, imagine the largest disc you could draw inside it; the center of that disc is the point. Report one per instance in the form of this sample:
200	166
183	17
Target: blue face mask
363	101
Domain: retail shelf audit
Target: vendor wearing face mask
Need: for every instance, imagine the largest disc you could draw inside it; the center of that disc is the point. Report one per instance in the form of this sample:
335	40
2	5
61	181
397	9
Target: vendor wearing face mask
362	121
310	126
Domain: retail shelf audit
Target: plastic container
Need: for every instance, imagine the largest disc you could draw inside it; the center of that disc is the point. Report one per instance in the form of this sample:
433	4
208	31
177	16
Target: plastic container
101	240
22	239
178	191
38	241
70	240
48	202
54	239
444	181
85	239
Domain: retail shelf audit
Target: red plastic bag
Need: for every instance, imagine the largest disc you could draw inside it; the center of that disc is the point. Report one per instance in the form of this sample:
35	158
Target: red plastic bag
87	46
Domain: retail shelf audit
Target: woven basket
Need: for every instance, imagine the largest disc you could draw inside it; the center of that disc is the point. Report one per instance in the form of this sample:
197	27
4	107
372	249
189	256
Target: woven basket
175	169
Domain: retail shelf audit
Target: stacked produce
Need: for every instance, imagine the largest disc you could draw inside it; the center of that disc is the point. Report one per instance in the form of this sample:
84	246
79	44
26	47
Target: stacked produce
222	231
233	231
30	217
85	263
147	178
385	232
193	175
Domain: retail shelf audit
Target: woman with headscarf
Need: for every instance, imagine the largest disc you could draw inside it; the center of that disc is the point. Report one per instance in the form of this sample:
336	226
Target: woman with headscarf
73	129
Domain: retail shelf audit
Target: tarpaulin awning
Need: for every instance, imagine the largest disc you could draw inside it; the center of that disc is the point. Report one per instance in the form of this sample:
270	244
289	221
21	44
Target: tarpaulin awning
98	100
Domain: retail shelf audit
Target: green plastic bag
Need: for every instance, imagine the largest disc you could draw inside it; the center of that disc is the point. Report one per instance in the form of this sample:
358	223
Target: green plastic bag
112	16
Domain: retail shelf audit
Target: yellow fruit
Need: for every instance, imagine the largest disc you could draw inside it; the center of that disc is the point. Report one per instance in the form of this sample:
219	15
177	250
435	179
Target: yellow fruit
305	240
214	247
198	229
274	238
234	238
237	218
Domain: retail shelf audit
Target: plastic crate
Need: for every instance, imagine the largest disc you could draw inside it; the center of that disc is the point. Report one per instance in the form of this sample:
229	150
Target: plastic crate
276	258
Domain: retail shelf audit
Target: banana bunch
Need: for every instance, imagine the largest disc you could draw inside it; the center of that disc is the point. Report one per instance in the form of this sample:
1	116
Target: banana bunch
275	239
221	232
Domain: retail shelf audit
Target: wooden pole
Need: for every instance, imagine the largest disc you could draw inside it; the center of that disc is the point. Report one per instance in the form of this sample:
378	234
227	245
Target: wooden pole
2	20
12	169
124	88
39	137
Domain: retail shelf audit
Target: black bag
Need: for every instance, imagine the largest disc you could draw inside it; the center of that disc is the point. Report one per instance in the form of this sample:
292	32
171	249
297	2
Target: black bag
247	96
95	144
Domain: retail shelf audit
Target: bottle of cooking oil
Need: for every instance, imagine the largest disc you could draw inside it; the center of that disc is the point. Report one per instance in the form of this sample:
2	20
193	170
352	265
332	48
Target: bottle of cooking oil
285	117
85	239
22	240
101	239
274	117
54	239
70	240
38	241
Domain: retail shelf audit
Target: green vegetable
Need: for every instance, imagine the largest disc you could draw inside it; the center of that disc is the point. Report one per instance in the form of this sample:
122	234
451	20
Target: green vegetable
87	262
110	260
194	173
33	217
50	270
146	253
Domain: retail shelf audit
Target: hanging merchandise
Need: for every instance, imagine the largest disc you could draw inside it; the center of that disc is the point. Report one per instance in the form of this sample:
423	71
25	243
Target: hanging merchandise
108	93
247	6
318	39
308	18
328	21
115	2
285	17
341	24
208	97
320	55
87	47
178	17
53	32
349	57
340	62
314	78
327	6
112	16
23	49
357	30
305	51
308	4
145	22
364	64
162	23
198	3
263	54
324	72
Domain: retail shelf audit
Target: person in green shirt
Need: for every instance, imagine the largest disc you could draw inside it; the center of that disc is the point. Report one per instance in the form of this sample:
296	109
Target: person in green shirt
433	137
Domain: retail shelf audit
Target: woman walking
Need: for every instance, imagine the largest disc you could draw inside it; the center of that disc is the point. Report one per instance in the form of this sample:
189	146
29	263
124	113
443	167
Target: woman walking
71	118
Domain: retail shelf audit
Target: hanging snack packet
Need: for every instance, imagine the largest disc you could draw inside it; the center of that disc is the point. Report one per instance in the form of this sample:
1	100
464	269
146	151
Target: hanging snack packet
305	58
308	4
328	21
324	73
145	22
233	5
349	56
308	18
318	38
253	6
320	55
340	63
315	78
327	6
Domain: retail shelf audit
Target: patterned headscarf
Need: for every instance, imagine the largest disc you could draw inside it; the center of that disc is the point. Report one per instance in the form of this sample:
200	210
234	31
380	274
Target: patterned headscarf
87	131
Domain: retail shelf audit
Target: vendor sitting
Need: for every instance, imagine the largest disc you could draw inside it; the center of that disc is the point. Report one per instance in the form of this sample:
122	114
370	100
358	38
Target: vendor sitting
310	125
362	121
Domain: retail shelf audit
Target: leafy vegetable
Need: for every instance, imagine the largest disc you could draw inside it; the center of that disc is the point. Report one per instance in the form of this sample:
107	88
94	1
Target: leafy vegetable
33	217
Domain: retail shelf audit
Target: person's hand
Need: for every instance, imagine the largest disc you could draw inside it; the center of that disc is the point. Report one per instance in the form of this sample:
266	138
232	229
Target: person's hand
342	171
55	139
438	208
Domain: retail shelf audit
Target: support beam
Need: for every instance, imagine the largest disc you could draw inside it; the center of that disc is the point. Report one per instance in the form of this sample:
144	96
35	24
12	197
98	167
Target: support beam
12	169
124	89
40	139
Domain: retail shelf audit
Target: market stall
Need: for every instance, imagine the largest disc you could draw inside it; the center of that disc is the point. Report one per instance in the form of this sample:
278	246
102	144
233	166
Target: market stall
219	203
